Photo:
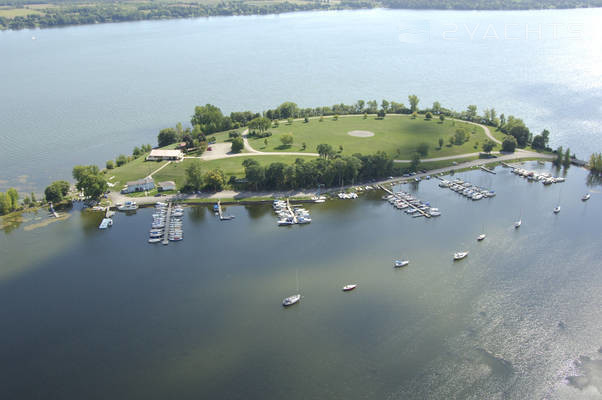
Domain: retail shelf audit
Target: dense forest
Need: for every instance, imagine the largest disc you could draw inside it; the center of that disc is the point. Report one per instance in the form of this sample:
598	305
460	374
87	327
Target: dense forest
61	13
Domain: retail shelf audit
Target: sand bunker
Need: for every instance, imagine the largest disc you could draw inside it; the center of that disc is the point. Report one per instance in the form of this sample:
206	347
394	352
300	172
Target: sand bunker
360	133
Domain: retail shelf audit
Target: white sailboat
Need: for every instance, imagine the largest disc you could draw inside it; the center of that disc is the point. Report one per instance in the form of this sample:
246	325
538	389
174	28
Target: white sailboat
557	208
518	223
482	236
460	255
400	263
294	299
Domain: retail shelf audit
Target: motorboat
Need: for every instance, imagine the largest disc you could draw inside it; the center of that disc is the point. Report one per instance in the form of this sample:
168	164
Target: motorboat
348	288
586	197
400	263
481	237
128	206
518	223
460	255
284	222
556	209
154	240
105	223
226	217
289	301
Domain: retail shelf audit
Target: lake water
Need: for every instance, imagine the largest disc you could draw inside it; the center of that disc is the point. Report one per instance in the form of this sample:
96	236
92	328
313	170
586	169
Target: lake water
88	93
102	314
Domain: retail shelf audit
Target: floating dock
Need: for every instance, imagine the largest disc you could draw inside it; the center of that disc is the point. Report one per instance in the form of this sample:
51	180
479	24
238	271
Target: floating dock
407	203
167	218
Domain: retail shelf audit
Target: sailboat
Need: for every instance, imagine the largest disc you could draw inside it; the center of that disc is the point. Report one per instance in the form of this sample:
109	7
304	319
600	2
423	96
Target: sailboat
518	223
294	299
557	208
482	235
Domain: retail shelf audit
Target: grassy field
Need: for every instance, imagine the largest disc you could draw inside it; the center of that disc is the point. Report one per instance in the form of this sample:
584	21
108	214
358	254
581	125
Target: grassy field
231	166
10	12
136	169
397	135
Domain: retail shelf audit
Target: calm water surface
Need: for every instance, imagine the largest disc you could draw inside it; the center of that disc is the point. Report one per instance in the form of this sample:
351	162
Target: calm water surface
88	93
102	314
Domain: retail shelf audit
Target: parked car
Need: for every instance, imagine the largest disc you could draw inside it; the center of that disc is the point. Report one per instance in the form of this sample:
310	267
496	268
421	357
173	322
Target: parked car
209	148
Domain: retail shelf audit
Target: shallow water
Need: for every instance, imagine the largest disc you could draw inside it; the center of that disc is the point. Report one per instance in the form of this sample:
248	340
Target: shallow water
103	314
86	94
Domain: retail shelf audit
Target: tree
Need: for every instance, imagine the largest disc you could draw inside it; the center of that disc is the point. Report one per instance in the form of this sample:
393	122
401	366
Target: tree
541	141
325	150
215	179
502	120
558	160
336	117
460	136
237	145
303	146
441	118
13	196
287	110
340	148
521	134
385	105
194	175
121	160
265	142
471	112
321	118
360	106
110	164
414	115
210	119
451	140
260	124
289	121
422	149
595	163
414	100
5	204
166	137
33	197
436	107
381	114
136	152
287	139
567	158
90	181
509	144
488	145
305	119
365	115
254	173
440	142
429	115
415	162
56	191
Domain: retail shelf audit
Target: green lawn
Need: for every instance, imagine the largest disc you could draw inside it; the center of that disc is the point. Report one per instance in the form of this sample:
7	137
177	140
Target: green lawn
397	135
231	166
134	170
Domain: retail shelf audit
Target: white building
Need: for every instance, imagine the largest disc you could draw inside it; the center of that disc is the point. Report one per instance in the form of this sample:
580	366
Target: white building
167	185
162	155
139	186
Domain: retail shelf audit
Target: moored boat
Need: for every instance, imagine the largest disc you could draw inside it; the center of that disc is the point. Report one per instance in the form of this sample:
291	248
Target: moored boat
460	255
289	301
586	197
400	263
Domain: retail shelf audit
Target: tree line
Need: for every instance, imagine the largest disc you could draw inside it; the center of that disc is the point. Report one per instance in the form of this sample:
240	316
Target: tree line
73	13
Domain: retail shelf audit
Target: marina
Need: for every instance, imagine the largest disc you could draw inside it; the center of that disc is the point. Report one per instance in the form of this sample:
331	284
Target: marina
467	189
411	205
167	224
290	215
534	176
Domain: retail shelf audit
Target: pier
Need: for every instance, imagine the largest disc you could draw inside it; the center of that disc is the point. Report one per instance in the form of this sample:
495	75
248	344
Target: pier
406	203
219	209
290	210
484	168
167	218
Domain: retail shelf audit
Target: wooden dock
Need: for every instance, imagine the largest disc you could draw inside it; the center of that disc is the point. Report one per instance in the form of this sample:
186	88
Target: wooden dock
405	202
166	229
290	210
219	209
484	168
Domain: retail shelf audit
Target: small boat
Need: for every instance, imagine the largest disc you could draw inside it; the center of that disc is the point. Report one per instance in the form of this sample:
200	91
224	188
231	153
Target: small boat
586	197
154	240
226	217
518	223
289	301
348	288
481	237
128	206
556	209
460	255
400	263
106	223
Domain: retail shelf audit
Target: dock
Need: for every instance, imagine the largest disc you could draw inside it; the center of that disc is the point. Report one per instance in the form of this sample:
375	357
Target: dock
407	203
167	218
484	168
219	209
290	210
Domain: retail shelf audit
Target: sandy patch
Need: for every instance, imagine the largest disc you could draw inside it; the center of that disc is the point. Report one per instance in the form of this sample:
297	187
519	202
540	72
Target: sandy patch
360	133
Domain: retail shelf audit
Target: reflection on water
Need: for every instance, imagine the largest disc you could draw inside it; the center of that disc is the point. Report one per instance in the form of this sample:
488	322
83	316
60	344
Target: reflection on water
202	318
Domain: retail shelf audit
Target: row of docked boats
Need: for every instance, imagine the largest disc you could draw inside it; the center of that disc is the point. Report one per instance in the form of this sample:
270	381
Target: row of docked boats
288	215
544	177
347	196
467	189
128	206
411	205
167	224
